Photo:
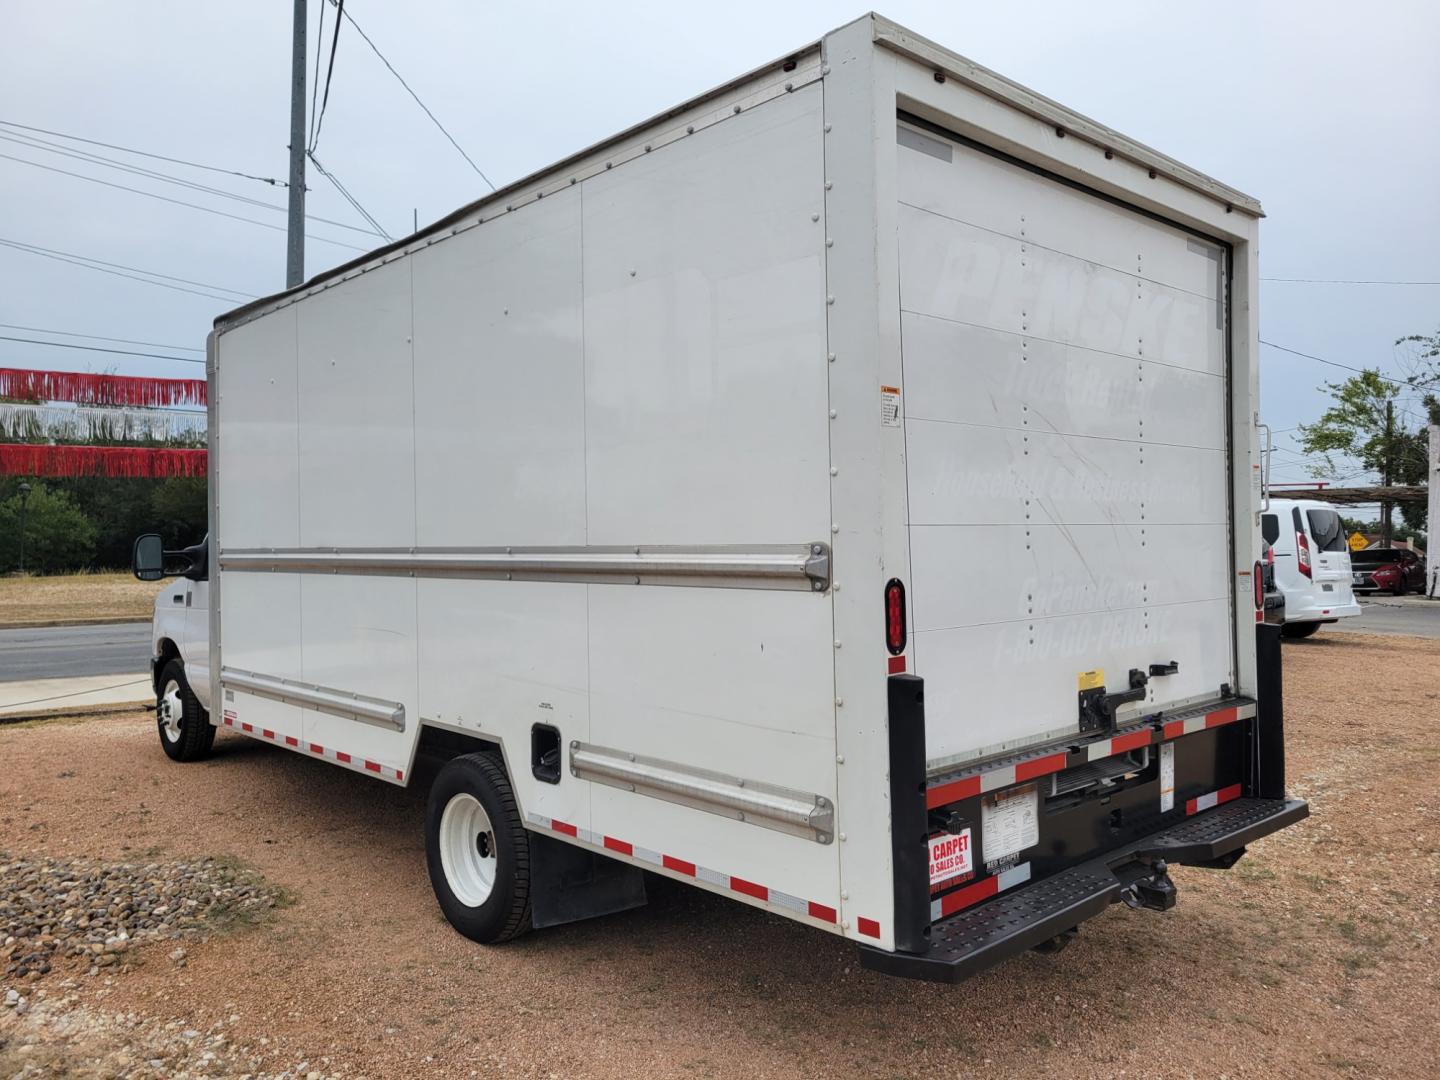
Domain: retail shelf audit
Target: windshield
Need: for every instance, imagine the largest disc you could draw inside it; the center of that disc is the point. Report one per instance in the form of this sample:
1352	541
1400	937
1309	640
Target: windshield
1327	530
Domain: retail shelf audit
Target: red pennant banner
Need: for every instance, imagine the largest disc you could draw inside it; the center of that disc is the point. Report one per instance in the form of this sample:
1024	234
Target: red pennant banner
33	459
84	388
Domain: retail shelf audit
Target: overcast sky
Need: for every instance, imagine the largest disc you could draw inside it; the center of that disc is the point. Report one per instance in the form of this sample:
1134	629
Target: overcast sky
1329	113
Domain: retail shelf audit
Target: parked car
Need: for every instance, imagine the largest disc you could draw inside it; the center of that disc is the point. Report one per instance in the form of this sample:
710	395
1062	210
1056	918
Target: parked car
1396	570
1274	599
1312	564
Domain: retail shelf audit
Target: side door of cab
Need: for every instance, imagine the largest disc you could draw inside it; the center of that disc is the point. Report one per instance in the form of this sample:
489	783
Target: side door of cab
196	647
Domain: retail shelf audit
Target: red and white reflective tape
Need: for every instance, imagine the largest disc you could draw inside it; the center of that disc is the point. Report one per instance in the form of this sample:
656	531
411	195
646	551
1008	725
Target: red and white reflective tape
960	899
684	868
1018	772
329	753
1218	718
1005	776
1214	799
1118	744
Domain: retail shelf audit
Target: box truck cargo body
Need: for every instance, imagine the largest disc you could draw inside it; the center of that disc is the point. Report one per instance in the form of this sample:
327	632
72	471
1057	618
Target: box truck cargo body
838	492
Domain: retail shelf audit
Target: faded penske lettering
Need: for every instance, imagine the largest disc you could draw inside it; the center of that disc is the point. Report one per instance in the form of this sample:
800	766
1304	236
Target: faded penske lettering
950	856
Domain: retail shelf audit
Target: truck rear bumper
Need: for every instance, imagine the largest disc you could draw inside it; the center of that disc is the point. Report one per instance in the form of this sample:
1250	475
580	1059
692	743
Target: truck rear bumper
977	938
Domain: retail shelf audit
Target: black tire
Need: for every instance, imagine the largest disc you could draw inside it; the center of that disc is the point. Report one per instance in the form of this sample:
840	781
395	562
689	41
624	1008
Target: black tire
1299	629
180	720
1402	588
504	913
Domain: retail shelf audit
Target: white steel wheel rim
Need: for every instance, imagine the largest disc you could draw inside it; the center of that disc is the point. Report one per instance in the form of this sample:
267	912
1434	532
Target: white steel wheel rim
467	850
172	711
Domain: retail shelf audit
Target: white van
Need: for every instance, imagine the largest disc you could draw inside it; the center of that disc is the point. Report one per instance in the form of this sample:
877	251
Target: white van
1312	563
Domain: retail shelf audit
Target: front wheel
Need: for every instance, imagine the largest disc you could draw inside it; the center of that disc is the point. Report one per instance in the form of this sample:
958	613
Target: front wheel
185	730
477	850
1299	630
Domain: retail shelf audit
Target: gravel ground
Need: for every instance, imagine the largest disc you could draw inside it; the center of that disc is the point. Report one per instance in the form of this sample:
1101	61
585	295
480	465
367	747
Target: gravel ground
90	913
1315	956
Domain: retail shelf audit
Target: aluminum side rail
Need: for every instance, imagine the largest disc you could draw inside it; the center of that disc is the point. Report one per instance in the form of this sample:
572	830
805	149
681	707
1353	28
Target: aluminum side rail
794	566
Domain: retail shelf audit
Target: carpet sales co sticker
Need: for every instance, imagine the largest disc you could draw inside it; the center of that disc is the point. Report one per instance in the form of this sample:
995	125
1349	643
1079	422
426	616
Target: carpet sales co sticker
951	856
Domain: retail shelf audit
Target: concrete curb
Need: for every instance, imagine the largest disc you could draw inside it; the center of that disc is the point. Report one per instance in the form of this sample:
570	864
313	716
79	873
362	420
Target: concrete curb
31	697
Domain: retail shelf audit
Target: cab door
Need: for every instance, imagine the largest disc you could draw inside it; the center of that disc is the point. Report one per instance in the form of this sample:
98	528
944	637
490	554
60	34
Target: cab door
195	648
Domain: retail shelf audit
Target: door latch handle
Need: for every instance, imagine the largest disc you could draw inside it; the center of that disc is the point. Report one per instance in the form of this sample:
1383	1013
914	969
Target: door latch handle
1164	669
1097	708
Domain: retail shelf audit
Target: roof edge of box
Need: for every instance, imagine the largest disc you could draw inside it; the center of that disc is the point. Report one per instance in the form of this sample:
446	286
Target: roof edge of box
893	36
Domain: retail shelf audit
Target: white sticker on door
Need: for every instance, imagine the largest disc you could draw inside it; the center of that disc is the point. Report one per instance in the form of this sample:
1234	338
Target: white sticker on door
1167	777
890	406
1009	822
951	856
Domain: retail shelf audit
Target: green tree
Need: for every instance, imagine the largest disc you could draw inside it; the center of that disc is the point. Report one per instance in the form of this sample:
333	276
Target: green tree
180	510
1362	425
58	535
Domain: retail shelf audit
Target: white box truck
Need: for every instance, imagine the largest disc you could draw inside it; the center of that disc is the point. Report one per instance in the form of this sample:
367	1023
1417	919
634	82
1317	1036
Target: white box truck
839	493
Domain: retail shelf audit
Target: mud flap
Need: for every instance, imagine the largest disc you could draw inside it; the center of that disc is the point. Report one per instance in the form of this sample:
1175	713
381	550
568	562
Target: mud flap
568	883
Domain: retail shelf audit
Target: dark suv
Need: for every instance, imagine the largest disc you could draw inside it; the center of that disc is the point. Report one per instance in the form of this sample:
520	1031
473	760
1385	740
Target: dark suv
1396	570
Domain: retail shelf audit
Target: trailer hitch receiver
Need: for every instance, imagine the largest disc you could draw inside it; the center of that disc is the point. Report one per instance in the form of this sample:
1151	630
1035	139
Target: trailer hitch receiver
1155	891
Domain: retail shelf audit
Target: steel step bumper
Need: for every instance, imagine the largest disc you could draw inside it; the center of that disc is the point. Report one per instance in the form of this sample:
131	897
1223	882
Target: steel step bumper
977	938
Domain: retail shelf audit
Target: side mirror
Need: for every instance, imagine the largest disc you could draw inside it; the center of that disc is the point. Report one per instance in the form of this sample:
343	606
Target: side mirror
148	560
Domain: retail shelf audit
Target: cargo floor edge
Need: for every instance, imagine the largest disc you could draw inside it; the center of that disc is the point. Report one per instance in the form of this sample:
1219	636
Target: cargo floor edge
977	938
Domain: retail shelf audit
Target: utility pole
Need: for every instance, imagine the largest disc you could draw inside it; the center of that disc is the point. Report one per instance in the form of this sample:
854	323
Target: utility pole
1386	472
295	237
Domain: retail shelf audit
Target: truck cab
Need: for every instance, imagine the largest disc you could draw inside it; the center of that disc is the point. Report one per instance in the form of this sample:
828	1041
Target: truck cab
179	643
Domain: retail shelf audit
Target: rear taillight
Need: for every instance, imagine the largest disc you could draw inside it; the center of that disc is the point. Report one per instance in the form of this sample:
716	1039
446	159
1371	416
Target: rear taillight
1302	552
895	616
1259	588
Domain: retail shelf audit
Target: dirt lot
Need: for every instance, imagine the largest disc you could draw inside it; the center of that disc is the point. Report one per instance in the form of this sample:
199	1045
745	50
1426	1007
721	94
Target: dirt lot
75	599
1316	956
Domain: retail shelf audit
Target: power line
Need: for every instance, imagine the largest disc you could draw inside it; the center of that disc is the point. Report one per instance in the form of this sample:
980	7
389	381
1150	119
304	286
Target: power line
122	266
79	260
1412	384
1344	281
375	49
177	202
329	73
315	82
99	337
88	158
142	153
348	197
97	348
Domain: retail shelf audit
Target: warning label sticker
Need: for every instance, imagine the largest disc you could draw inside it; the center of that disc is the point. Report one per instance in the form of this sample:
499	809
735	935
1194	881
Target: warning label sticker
890	406
951	856
1010	822
1091	680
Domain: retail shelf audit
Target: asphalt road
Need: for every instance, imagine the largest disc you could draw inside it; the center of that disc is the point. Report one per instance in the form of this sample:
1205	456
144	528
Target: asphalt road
55	652
1414	616
124	648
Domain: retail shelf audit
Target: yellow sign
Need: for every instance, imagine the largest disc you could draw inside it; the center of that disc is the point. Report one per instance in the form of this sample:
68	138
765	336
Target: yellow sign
1092	680
1358	542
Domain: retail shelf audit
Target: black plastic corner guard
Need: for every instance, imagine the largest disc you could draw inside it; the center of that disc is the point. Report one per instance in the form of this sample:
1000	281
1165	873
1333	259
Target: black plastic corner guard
980	937
909	849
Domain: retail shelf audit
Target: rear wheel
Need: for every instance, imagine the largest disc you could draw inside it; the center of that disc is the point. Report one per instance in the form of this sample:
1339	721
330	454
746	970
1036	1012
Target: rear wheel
185	730
1299	629
477	850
